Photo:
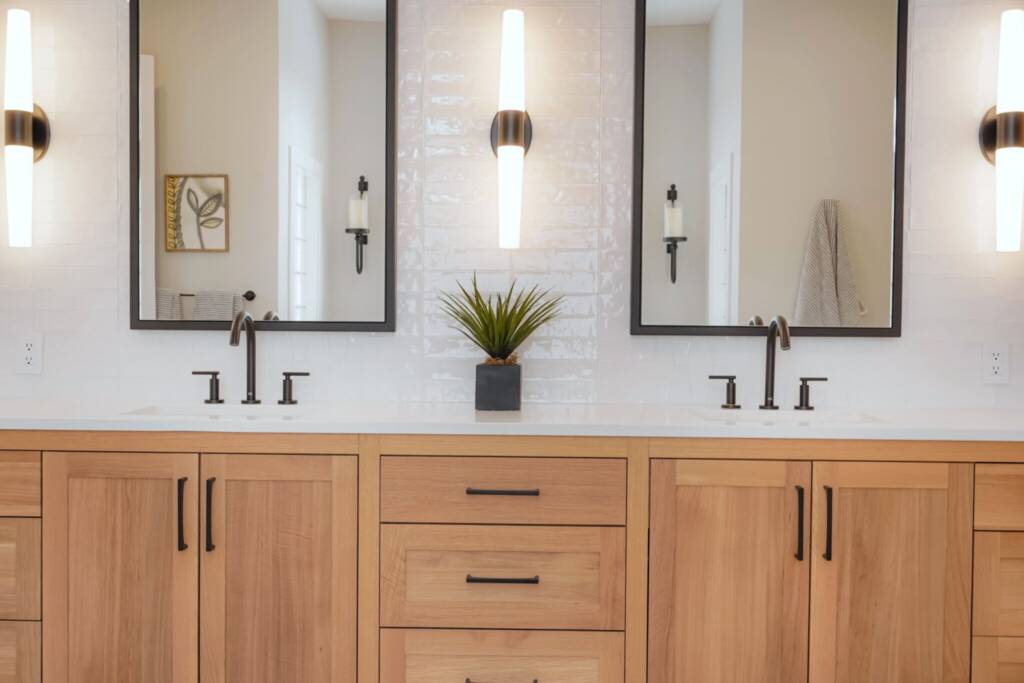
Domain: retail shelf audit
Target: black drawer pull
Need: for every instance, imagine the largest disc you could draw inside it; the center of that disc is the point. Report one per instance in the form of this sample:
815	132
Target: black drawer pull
800	523
532	581
828	524
210	547
182	545
502	492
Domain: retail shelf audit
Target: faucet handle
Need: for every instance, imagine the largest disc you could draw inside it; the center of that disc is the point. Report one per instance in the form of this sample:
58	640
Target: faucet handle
214	385
730	391
805	392
286	390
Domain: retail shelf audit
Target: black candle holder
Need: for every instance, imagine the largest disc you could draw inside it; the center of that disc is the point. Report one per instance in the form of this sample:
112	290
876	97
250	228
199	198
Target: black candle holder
362	236
672	249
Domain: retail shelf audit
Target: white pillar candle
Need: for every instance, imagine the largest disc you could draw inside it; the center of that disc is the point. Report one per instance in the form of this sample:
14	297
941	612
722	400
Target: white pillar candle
357	213
674	220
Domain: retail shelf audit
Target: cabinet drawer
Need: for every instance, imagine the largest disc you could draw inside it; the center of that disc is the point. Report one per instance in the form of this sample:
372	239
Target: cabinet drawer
20	652
502	577
503	490
424	656
999	497
998	660
998	584
20	484
20	554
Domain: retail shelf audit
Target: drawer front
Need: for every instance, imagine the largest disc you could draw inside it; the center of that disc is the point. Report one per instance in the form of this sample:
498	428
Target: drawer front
20	484
997	660
425	656
999	497
20	568
503	490
998	584
20	652
502	577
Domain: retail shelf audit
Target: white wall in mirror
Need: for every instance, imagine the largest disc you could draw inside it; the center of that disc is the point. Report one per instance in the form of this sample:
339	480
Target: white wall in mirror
287	99
758	111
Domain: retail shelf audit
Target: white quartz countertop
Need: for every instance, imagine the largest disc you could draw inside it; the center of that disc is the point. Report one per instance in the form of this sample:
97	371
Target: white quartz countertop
538	420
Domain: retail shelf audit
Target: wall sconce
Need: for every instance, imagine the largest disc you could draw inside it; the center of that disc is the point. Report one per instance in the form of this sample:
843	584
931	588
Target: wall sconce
359	221
673	228
511	129
26	128
1002	133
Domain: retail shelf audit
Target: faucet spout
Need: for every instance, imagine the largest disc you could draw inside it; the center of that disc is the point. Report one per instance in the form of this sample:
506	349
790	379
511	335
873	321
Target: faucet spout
778	329
244	320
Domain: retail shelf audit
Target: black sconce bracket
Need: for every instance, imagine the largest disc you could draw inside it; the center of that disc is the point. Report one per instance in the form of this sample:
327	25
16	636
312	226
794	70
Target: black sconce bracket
28	130
999	131
362	239
672	249
511	127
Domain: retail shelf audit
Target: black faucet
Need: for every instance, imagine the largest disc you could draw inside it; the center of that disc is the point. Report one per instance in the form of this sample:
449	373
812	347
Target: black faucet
241	320
777	328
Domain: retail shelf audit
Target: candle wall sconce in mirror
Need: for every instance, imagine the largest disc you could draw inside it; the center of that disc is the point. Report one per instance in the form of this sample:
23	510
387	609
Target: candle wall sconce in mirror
1002	133
673	229
511	128
359	222
26	128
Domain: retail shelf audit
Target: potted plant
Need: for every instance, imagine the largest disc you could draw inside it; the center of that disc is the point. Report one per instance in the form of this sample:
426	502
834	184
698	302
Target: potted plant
499	324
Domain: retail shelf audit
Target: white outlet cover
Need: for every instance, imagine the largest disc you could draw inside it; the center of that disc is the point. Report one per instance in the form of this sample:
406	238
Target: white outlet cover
28	354
995	364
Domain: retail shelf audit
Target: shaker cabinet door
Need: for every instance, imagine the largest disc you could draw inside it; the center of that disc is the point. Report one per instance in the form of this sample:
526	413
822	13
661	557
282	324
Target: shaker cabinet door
120	567
891	577
729	571
279	569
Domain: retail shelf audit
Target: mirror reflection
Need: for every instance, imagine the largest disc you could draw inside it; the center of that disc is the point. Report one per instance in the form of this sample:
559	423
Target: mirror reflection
263	160
769	156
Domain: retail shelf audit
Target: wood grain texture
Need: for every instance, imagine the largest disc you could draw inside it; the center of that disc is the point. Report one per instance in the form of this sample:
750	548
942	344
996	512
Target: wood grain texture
714	448
506	446
120	598
20	652
893	605
425	656
637	525
998	584
21	547
998	660
21	493
572	490
279	585
728	598
424	570
999	498
177	442
369	559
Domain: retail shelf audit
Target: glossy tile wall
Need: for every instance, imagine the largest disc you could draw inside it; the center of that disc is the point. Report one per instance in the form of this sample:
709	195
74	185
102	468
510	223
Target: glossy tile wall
72	287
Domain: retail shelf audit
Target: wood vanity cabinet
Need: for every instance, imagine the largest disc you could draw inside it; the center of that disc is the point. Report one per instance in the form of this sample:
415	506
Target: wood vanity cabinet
886	575
125	545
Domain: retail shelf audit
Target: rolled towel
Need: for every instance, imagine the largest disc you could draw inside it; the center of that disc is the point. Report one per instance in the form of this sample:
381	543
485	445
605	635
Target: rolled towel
217	305
168	304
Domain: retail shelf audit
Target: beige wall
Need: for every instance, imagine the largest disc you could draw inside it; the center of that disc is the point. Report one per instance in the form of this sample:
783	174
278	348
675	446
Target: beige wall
675	151
358	92
216	113
800	147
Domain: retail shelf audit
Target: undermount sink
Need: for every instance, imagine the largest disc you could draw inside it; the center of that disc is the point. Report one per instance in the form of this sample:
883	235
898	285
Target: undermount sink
270	411
809	418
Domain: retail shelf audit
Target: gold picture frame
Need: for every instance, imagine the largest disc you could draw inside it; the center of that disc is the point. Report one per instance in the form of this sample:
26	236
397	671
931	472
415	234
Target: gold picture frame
196	213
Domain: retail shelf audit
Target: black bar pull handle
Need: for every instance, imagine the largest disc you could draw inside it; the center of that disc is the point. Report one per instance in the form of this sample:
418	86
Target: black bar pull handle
210	547
800	523
531	581
502	492
182	545
828	524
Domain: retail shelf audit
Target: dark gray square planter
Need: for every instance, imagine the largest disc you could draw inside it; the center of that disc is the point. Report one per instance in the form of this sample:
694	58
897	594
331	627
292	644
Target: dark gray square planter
499	387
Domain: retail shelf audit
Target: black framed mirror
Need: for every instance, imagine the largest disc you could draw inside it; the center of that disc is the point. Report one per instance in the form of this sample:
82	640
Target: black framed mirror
263	150
768	166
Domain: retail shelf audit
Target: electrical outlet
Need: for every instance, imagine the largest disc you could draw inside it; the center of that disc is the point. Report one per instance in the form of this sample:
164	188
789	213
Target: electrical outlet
29	354
995	364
